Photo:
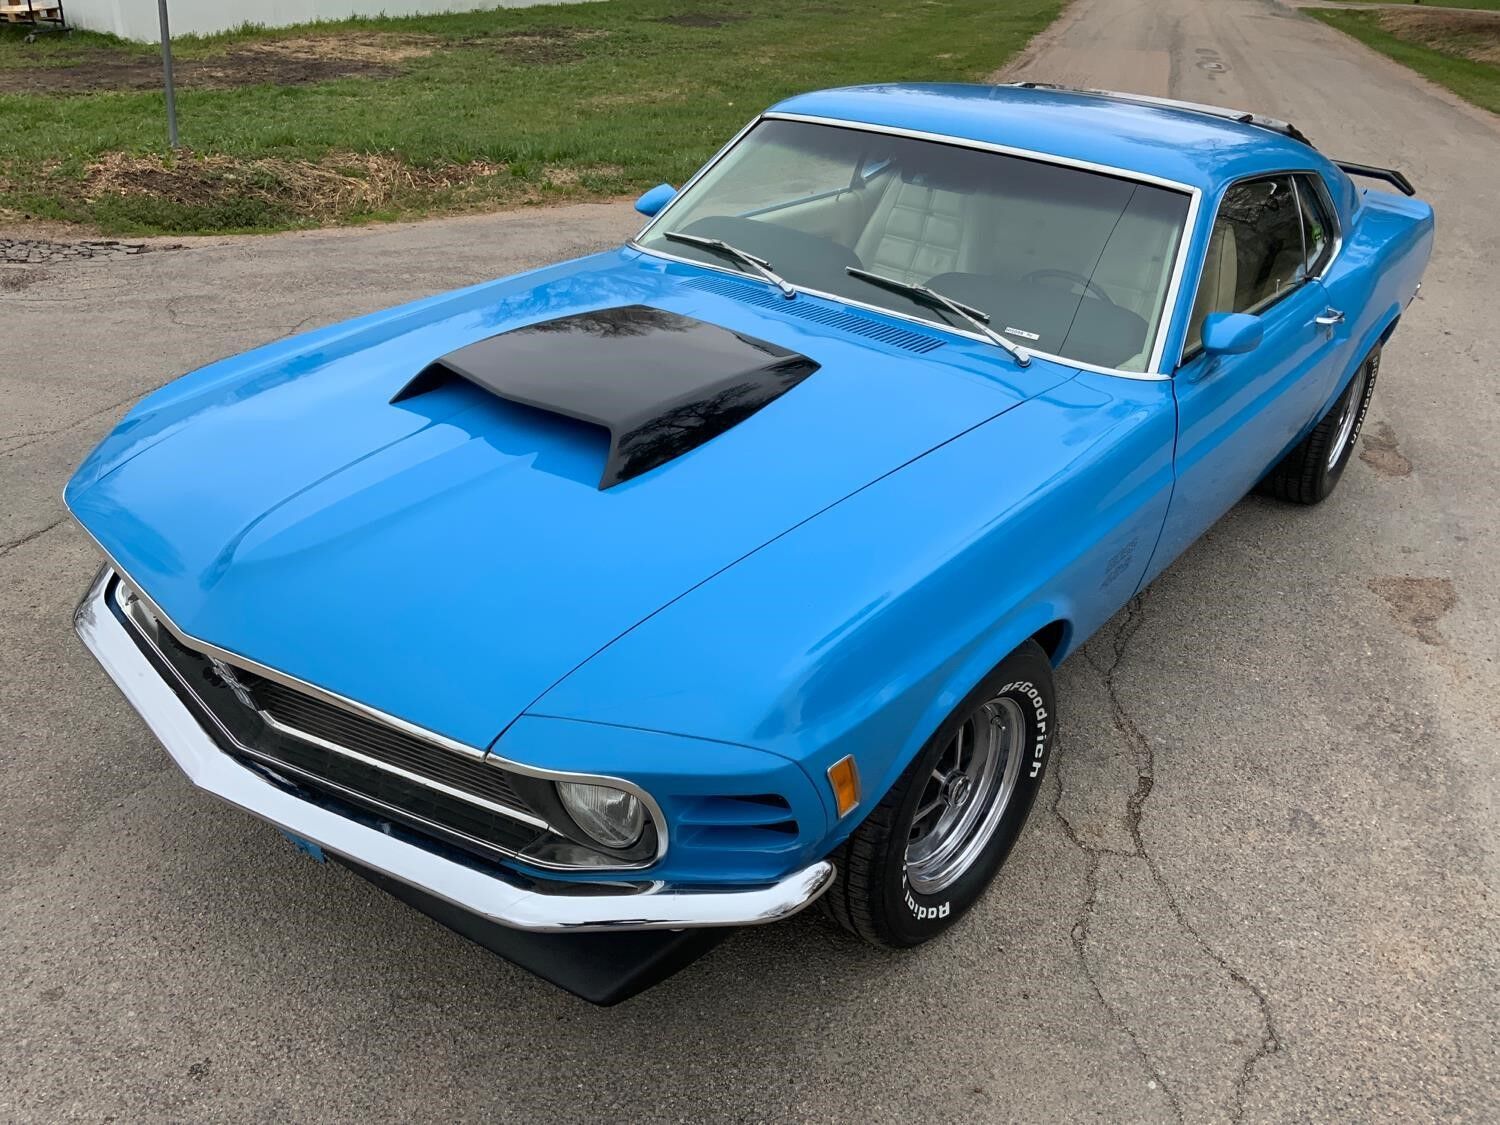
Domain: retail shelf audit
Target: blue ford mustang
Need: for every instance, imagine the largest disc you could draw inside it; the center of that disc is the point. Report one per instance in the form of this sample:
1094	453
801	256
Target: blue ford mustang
597	610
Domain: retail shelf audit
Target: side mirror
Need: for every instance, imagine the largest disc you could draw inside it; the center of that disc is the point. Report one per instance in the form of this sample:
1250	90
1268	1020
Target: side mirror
655	199
1231	333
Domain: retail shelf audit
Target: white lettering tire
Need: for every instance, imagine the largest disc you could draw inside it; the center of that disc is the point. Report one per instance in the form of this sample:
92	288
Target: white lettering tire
928	850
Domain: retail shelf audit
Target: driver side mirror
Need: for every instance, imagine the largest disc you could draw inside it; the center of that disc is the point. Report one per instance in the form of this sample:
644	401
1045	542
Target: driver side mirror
1231	333
655	199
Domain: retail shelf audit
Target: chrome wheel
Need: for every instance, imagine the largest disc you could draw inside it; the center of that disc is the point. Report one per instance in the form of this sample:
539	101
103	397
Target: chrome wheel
966	795
1350	414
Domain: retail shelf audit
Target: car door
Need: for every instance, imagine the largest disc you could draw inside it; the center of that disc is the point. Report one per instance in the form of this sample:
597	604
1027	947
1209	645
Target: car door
1237	414
1345	281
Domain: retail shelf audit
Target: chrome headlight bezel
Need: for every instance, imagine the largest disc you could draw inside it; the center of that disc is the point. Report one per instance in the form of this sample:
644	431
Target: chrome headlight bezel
542	791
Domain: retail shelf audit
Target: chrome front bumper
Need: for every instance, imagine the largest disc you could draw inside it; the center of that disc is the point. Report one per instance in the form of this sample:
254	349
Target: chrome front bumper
572	908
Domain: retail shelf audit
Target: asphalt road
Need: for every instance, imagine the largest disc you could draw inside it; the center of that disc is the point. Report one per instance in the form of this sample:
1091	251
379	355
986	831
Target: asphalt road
1262	887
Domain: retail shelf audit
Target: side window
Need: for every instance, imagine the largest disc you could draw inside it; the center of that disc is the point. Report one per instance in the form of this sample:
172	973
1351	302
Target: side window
1319	231
1254	253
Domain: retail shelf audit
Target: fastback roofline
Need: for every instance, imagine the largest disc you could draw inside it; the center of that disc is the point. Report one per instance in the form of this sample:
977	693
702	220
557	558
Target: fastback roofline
1274	124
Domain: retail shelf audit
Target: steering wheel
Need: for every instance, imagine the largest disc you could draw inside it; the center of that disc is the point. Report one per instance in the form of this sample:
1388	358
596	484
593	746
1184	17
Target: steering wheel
1086	283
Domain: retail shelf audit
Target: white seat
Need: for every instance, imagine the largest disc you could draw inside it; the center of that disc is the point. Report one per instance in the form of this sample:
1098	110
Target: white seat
1219	282
916	232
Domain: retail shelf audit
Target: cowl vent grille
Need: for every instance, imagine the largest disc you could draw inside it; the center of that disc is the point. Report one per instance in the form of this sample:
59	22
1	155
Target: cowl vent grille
754	293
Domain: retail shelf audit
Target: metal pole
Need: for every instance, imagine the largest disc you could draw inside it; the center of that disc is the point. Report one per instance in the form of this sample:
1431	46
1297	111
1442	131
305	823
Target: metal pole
166	72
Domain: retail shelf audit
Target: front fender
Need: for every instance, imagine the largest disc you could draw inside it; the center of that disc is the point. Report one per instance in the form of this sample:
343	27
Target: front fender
860	630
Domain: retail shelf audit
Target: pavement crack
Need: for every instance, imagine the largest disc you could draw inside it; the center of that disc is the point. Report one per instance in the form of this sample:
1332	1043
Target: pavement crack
31	437
14	544
175	316
1135	811
295	328
1145	757
1078	933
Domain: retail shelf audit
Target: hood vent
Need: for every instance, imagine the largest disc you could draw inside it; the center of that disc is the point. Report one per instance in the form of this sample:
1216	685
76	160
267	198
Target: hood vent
660	383
755	293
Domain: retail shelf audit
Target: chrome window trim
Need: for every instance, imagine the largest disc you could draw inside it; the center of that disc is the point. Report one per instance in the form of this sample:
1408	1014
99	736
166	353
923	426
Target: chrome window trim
352	705
1325	201
652	220
1153	372
1338	246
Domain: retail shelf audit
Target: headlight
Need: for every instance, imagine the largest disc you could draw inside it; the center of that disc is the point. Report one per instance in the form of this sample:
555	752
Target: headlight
611	816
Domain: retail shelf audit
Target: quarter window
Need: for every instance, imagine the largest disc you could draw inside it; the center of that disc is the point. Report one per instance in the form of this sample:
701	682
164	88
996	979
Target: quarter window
1317	225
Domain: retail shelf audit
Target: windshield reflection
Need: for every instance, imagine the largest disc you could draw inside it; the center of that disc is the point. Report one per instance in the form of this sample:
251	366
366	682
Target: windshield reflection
1069	262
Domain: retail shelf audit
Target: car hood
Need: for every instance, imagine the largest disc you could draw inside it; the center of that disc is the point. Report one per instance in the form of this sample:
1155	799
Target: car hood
448	556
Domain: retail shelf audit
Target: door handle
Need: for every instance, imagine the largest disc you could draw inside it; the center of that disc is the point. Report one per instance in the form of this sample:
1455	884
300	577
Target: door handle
1329	318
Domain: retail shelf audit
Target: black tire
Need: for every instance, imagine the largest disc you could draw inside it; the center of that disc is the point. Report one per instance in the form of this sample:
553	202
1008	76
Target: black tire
1310	471
873	897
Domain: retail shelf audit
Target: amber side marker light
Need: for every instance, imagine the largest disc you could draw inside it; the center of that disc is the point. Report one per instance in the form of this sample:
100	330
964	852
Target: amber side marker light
843	775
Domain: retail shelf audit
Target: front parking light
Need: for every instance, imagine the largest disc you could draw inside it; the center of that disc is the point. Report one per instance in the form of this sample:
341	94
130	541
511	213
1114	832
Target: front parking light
843	776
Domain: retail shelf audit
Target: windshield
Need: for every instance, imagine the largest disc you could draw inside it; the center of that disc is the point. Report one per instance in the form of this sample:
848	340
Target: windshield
1063	260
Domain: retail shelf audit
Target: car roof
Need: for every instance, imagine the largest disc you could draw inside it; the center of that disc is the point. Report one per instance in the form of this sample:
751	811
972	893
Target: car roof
1193	146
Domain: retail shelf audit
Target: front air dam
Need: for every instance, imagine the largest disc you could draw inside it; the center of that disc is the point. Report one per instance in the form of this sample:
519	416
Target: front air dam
602	968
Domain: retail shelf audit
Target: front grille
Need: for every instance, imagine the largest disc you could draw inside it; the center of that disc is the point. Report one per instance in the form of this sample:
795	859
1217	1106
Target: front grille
380	741
474	817
386	792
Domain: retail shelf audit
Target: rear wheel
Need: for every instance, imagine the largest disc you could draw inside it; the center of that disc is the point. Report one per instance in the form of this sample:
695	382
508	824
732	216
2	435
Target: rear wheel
1310	471
930	848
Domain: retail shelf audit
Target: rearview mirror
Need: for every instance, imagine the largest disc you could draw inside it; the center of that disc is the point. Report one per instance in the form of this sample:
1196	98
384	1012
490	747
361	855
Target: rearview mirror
655	199
1231	333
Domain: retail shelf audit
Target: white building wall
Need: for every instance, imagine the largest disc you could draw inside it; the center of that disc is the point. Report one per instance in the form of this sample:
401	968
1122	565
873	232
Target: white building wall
136	19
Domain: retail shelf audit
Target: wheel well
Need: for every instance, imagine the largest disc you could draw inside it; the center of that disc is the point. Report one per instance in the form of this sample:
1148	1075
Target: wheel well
1389	328
1051	638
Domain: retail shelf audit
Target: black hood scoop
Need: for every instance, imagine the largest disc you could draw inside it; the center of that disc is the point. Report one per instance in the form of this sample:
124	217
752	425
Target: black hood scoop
660	383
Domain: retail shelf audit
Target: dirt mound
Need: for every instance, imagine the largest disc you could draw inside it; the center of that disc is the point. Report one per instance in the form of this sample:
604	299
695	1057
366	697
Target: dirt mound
296	61
546	45
1471	34
337	185
228	192
703	19
373	47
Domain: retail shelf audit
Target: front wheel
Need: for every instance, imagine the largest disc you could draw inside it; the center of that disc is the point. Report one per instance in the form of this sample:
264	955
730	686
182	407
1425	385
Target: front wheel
927	852
1310	471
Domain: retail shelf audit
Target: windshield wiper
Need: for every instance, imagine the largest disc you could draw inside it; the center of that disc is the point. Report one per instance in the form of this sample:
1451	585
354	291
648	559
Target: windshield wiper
977	318
744	257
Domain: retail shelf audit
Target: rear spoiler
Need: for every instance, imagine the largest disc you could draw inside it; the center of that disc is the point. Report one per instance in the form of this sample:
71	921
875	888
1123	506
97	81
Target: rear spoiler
1369	171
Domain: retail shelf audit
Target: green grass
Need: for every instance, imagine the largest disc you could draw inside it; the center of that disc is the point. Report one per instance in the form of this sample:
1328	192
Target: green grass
1482	5
593	100
1477	82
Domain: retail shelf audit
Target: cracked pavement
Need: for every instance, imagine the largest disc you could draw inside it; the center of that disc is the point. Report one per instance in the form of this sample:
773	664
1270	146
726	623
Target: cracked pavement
1143	758
1262	890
